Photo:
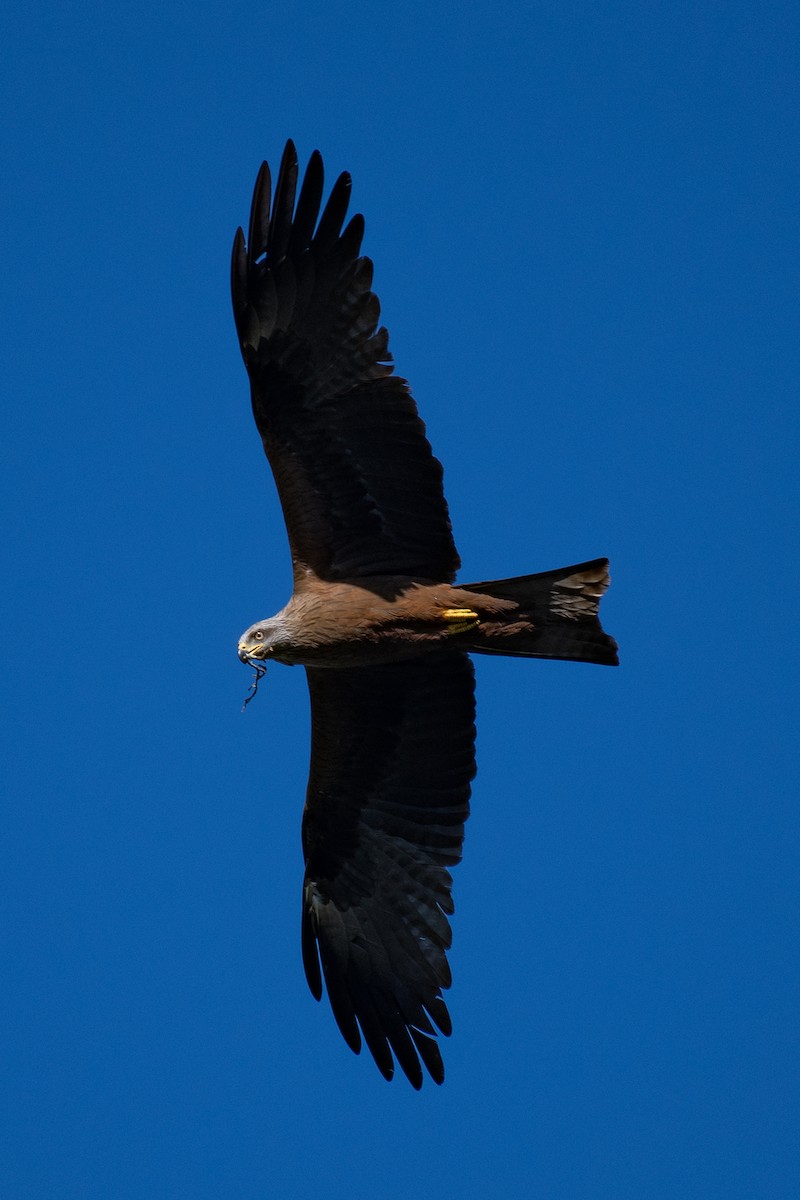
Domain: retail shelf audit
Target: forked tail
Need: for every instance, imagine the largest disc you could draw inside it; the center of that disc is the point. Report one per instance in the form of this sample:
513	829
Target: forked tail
555	616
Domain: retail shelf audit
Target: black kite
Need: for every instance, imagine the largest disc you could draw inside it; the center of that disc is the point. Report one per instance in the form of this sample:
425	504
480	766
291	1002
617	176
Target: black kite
376	620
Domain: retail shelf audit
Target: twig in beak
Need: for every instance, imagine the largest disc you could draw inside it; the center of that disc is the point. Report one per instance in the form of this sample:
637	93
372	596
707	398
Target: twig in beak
260	672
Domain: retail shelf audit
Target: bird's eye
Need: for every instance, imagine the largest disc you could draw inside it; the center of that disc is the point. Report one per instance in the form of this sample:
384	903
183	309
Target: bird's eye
259	636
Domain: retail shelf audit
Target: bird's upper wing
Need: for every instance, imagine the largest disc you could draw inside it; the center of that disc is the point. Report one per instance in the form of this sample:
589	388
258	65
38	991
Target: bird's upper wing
361	491
392	757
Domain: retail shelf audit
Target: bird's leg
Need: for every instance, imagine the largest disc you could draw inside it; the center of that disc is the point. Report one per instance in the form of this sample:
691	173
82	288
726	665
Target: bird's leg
459	620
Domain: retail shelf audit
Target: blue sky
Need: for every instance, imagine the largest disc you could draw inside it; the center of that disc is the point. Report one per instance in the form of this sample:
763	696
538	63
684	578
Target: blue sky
584	224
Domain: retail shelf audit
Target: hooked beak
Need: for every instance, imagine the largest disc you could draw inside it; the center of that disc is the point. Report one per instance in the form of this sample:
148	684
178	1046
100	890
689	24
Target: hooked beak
251	654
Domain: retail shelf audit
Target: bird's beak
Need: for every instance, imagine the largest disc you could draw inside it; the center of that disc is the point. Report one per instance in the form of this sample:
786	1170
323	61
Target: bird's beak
252	654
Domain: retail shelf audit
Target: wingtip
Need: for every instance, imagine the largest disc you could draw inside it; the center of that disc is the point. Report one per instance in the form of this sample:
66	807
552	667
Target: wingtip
334	213
259	214
280	225
239	279
344	185
289	159
238	248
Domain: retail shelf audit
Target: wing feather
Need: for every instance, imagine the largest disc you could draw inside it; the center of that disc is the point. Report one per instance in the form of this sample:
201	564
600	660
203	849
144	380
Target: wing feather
280	225
335	211
259	215
305	216
391	763
361	491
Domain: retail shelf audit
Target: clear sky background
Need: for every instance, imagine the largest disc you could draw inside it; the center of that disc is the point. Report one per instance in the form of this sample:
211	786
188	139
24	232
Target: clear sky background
584	223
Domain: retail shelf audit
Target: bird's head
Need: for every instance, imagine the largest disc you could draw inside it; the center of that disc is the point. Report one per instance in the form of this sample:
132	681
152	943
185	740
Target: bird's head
261	640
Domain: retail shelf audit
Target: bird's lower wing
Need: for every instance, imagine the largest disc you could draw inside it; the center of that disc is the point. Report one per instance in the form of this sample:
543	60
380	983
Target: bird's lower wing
393	754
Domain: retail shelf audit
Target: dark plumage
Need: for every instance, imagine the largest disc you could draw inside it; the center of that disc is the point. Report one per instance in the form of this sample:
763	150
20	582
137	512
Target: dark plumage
376	619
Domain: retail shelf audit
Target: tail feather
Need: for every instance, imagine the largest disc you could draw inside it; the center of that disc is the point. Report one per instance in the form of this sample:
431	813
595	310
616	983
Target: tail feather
554	615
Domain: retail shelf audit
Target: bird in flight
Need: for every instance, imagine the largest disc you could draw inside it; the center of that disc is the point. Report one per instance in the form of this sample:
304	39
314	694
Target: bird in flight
376	618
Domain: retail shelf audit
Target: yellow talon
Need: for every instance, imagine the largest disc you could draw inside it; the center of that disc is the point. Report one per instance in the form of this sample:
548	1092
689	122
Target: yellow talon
460	619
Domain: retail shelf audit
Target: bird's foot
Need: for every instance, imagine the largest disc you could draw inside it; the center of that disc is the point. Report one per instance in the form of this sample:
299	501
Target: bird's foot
459	620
